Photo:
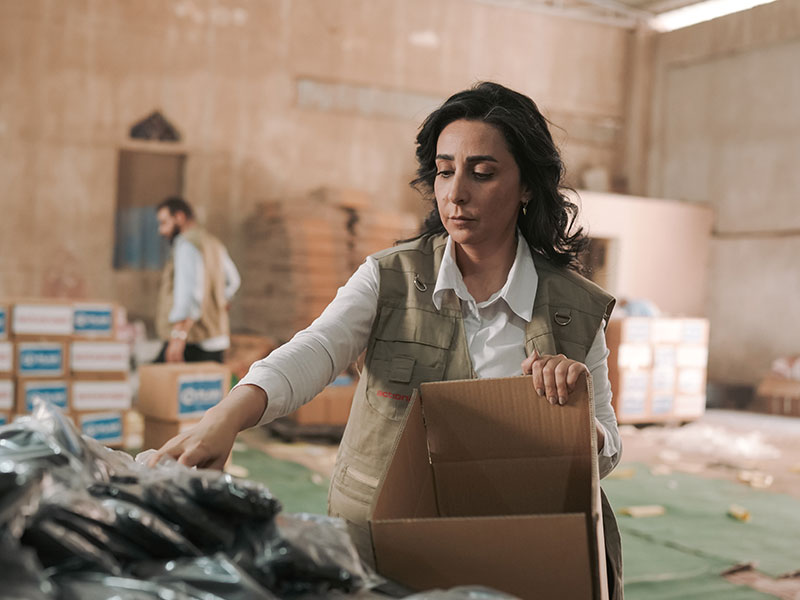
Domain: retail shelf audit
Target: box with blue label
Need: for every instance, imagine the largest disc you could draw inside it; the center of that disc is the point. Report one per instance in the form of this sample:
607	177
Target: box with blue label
108	428
41	359
55	391
39	319
4	312
93	395
6	417
7	395
95	321
181	391
6	358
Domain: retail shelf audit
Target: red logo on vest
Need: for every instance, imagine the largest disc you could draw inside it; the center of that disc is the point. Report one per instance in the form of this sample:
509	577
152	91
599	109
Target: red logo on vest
383	394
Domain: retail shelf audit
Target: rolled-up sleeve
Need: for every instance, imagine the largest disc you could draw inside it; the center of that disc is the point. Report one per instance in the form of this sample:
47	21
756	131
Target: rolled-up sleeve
297	371
597	363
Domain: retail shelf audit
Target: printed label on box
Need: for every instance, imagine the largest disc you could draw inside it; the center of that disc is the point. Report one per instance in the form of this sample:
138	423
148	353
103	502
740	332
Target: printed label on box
4	420
6	394
662	404
93	395
636	330
6	357
42	319
3	321
41	360
93	320
664	379
664	356
93	357
198	393
632	404
104	427
54	392
695	331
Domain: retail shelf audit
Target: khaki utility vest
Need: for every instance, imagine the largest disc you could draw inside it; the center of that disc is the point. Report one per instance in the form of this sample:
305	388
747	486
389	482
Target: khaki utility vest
213	321
411	343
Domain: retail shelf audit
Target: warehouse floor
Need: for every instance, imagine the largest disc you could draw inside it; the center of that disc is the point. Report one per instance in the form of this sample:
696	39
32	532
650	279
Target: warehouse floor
728	461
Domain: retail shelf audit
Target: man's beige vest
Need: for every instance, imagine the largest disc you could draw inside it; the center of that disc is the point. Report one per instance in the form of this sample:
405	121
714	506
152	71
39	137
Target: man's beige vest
213	321
411	343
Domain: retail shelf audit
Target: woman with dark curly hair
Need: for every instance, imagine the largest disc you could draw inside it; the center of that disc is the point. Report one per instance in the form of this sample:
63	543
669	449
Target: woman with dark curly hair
488	289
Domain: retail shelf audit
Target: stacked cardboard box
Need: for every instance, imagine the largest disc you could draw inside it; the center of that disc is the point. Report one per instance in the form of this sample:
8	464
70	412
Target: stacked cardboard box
66	352
657	368
330	407
174	396
301	250
779	392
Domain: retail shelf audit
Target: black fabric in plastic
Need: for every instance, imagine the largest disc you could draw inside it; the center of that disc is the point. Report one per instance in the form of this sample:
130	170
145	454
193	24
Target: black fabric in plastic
302	554
215	574
20	490
22	573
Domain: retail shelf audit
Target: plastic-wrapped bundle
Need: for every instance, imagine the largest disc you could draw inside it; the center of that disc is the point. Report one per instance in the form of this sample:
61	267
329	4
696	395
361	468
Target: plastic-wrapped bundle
215	575
463	593
205	506
20	490
302	554
22	573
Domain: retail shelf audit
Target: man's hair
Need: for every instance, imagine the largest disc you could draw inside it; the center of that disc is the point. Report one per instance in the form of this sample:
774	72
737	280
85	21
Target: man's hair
176	204
548	225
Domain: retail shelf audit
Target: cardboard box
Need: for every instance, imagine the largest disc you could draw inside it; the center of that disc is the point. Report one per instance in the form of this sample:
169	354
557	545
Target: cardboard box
694	331
7	399
665	355
330	407
4	321
490	485
96	320
55	391
662	403
99	358
38	318
181	391
630	393
6	358
41	359
106	427
6	417
691	356
97	395
157	432
628	330
692	381
663	379
666	330
634	356
777	395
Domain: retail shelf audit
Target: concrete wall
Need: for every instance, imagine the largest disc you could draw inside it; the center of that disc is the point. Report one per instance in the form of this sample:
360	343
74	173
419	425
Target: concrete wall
272	97
726	131
659	249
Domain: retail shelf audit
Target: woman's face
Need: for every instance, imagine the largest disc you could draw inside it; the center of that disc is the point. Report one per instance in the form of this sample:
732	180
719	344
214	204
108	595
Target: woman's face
477	186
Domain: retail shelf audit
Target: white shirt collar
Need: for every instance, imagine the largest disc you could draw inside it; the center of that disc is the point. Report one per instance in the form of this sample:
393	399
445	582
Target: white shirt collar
518	291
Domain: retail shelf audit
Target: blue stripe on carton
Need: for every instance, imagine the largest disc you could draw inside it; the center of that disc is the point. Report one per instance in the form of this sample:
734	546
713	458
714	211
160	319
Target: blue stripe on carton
41	361
103	429
3	420
93	320
3	320
53	393
198	395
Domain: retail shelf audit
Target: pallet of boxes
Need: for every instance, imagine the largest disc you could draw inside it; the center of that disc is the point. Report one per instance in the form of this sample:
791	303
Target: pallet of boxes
66	352
657	368
174	396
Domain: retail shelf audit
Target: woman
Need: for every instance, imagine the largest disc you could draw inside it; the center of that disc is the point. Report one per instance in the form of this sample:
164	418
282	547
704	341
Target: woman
486	290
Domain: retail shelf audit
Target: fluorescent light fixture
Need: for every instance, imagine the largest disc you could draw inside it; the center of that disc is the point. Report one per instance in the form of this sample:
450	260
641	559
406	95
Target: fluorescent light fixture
702	11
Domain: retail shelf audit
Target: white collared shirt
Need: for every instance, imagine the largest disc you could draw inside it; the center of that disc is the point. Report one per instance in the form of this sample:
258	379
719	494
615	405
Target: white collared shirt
297	371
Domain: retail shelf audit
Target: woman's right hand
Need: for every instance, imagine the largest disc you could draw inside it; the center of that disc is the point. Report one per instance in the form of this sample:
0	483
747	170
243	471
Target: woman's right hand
208	444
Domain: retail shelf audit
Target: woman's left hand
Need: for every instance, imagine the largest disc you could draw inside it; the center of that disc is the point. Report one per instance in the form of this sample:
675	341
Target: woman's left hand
554	377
